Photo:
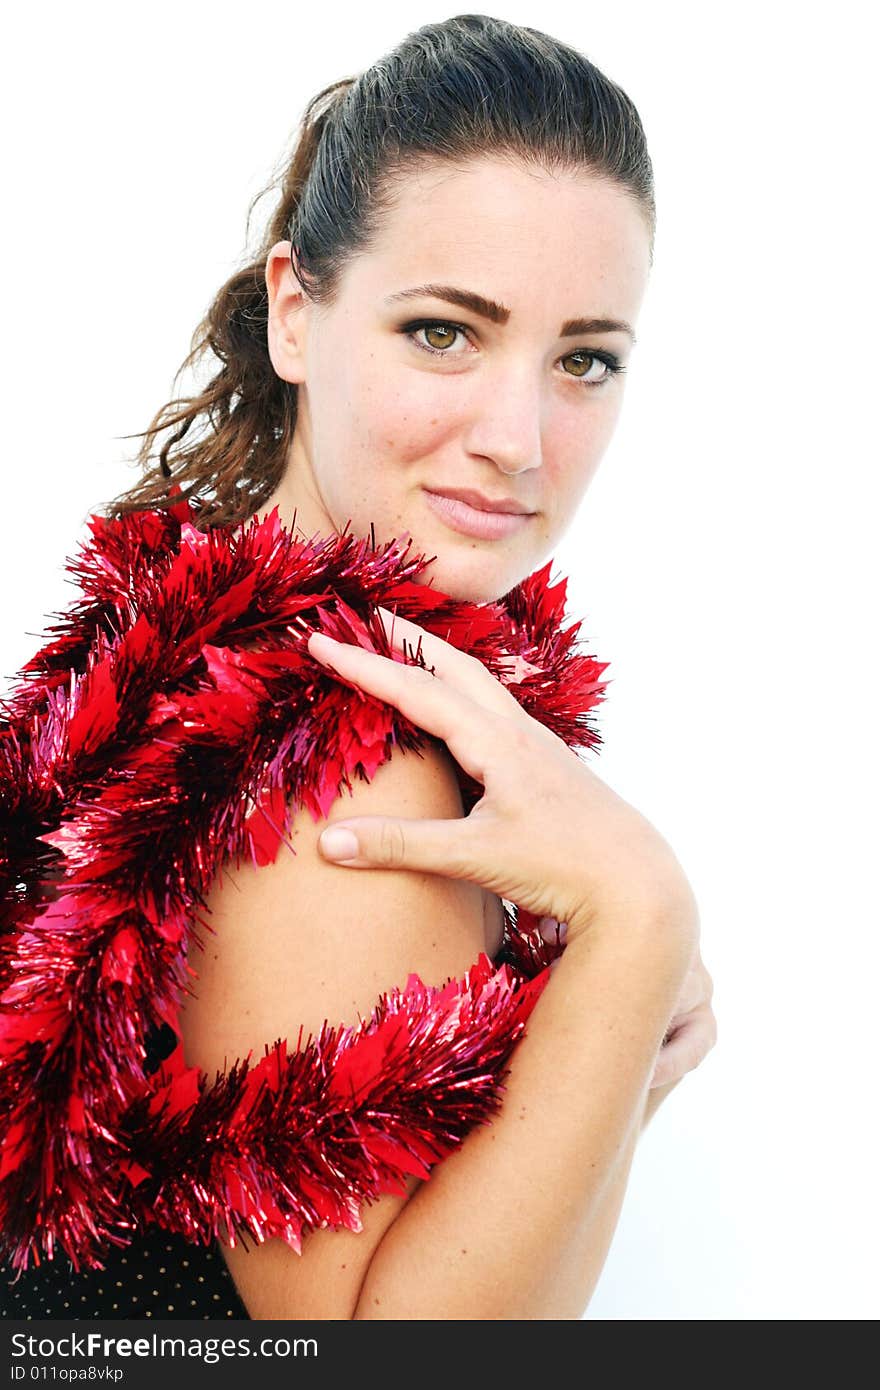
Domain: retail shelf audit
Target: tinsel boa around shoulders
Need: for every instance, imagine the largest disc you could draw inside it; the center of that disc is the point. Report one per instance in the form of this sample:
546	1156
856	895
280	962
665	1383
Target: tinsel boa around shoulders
171	722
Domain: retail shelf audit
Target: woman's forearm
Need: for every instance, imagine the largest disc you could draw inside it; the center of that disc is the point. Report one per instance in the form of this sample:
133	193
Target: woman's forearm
516	1224
594	1244
588	1247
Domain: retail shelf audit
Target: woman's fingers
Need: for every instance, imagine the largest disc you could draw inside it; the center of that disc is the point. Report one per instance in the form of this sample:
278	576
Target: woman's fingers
689	1044
696	988
547	833
692	1030
377	842
485	847
467	673
435	705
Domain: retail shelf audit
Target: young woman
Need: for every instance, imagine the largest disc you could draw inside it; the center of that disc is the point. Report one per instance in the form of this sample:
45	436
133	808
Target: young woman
431	343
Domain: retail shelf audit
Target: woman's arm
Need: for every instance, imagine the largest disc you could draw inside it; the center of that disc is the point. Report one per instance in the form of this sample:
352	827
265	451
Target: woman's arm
300	941
516	1224
598	1243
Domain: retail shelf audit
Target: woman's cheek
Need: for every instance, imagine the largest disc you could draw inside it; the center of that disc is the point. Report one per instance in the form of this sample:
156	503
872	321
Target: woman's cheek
574	451
420	417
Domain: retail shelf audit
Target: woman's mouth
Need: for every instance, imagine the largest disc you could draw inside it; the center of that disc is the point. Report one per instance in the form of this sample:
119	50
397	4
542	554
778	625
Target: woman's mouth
470	521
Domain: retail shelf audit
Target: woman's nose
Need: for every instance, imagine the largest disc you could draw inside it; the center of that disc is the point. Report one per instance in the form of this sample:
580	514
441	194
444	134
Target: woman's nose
505	424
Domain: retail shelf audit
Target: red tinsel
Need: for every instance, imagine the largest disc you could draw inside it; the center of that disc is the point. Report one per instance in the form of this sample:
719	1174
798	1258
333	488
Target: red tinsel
173	722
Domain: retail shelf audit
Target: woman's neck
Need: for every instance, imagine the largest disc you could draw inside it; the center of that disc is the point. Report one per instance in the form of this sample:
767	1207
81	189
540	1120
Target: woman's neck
299	506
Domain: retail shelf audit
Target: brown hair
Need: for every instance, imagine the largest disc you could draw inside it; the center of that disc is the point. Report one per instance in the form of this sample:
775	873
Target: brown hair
468	86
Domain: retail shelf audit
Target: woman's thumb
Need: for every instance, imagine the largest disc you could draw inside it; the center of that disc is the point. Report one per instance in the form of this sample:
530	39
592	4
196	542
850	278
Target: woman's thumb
385	843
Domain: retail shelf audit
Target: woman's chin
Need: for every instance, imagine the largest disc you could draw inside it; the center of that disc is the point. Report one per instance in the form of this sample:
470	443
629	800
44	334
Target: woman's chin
471	580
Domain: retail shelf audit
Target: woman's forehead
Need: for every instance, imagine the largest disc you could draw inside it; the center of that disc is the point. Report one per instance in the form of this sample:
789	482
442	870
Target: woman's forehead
505	232
499	189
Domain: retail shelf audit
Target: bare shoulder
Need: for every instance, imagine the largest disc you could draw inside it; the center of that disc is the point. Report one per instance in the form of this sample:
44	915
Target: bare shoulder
303	941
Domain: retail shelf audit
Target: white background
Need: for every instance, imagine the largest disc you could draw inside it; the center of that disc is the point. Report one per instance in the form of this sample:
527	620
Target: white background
720	560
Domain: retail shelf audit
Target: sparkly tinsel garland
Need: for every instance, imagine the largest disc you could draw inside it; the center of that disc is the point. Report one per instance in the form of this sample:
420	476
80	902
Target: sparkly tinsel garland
171	723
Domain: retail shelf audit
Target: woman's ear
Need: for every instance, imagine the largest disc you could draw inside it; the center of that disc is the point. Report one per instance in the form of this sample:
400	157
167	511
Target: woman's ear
288	315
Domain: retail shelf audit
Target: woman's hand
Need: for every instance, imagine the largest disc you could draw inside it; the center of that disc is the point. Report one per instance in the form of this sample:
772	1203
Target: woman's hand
692	1031
547	834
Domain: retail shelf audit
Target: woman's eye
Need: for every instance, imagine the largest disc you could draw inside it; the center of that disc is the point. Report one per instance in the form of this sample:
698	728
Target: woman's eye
439	336
588	362
591	368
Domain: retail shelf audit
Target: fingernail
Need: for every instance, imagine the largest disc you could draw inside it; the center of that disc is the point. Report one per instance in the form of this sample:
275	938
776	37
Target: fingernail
339	844
547	927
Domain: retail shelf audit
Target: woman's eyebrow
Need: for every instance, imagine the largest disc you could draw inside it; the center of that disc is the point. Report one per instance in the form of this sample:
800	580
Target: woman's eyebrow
499	313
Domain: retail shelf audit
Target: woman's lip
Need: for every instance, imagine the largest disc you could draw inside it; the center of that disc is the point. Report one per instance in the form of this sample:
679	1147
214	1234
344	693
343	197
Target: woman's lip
469	521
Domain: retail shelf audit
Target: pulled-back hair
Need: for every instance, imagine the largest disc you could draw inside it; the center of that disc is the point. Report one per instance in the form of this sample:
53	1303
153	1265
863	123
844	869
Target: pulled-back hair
466	87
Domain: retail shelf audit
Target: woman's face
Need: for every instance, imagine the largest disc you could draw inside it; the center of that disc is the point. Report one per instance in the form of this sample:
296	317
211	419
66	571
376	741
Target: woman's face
515	402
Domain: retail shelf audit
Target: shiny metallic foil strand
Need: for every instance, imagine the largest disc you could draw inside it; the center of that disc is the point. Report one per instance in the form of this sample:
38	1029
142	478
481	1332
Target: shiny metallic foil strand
173	721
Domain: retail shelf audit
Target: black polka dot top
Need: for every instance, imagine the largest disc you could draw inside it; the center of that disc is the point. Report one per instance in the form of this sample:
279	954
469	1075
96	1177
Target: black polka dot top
158	1275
